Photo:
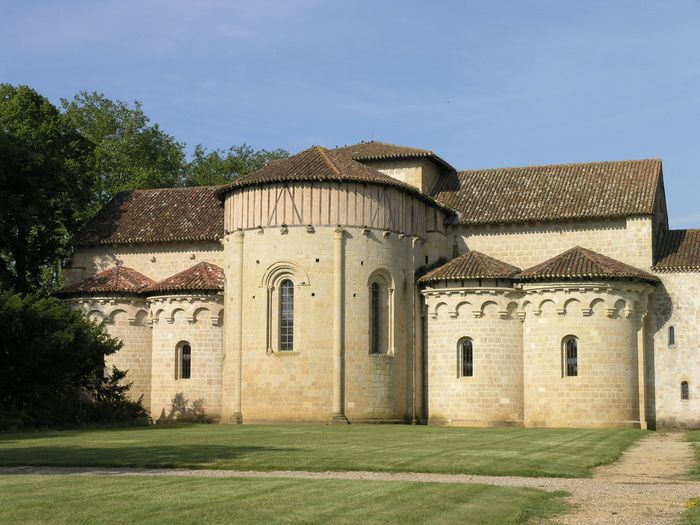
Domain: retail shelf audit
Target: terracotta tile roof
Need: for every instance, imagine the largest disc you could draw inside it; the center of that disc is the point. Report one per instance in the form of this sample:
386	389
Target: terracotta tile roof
117	279
555	192
375	150
321	164
202	276
679	251
582	264
154	216
471	265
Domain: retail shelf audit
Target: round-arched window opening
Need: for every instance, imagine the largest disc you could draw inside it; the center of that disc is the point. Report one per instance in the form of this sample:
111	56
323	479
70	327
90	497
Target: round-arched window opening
570	356
685	391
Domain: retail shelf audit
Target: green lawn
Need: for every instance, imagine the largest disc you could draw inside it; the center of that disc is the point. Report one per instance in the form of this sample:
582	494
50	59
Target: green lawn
692	515
694	438
390	448
110	499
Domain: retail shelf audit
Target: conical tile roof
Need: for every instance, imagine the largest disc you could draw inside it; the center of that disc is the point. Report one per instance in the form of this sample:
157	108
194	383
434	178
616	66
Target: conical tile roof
318	164
471	265
376	150
580	263
117	279
203	276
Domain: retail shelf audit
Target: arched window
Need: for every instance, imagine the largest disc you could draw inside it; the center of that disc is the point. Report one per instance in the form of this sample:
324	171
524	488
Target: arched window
375	328
378	317
671	336
685	391
286	325
466	358
570	356
186	361
183	361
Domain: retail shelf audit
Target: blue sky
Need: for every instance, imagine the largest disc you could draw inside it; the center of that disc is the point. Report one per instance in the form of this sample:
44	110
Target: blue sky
482	83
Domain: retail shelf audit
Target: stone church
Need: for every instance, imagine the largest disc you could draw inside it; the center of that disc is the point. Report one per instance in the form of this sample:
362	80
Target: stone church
377	283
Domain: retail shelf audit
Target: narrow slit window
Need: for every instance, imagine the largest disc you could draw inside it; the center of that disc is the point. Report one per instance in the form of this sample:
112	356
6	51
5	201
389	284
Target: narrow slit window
671	336
467	358
685	391
378	317
185	362
287	316
375	318
571	357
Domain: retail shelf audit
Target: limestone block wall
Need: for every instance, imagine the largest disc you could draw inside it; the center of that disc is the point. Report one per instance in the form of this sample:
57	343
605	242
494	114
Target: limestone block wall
606	319
330	204
156	261
298	385
493	396
198	321
420	173
524	245
677	304
125	318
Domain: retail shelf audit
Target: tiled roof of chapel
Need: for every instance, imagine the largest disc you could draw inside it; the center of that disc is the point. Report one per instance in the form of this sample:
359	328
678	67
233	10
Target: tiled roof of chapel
678	251
582	264
203	277
118	279
157	216
552	192
375	150
471	265
318	164
562	192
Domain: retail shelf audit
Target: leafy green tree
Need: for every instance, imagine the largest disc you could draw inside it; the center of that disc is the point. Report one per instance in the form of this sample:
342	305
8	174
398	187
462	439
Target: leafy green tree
209	168
130	153
45	187
52	366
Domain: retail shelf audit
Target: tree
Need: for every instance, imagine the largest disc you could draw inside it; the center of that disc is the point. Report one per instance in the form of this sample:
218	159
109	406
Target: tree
52	366
208	168
130	153
45	187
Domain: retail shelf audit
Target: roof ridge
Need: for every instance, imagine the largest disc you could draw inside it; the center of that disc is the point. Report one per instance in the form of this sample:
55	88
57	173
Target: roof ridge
559	164
205	266
327	160
117	269
172	188
394	146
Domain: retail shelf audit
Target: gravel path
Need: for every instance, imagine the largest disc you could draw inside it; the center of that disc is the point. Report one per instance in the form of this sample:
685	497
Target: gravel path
646	486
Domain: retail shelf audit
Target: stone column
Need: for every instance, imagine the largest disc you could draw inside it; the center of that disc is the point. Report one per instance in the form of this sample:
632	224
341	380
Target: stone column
338	414
641	358
418	369
237	330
